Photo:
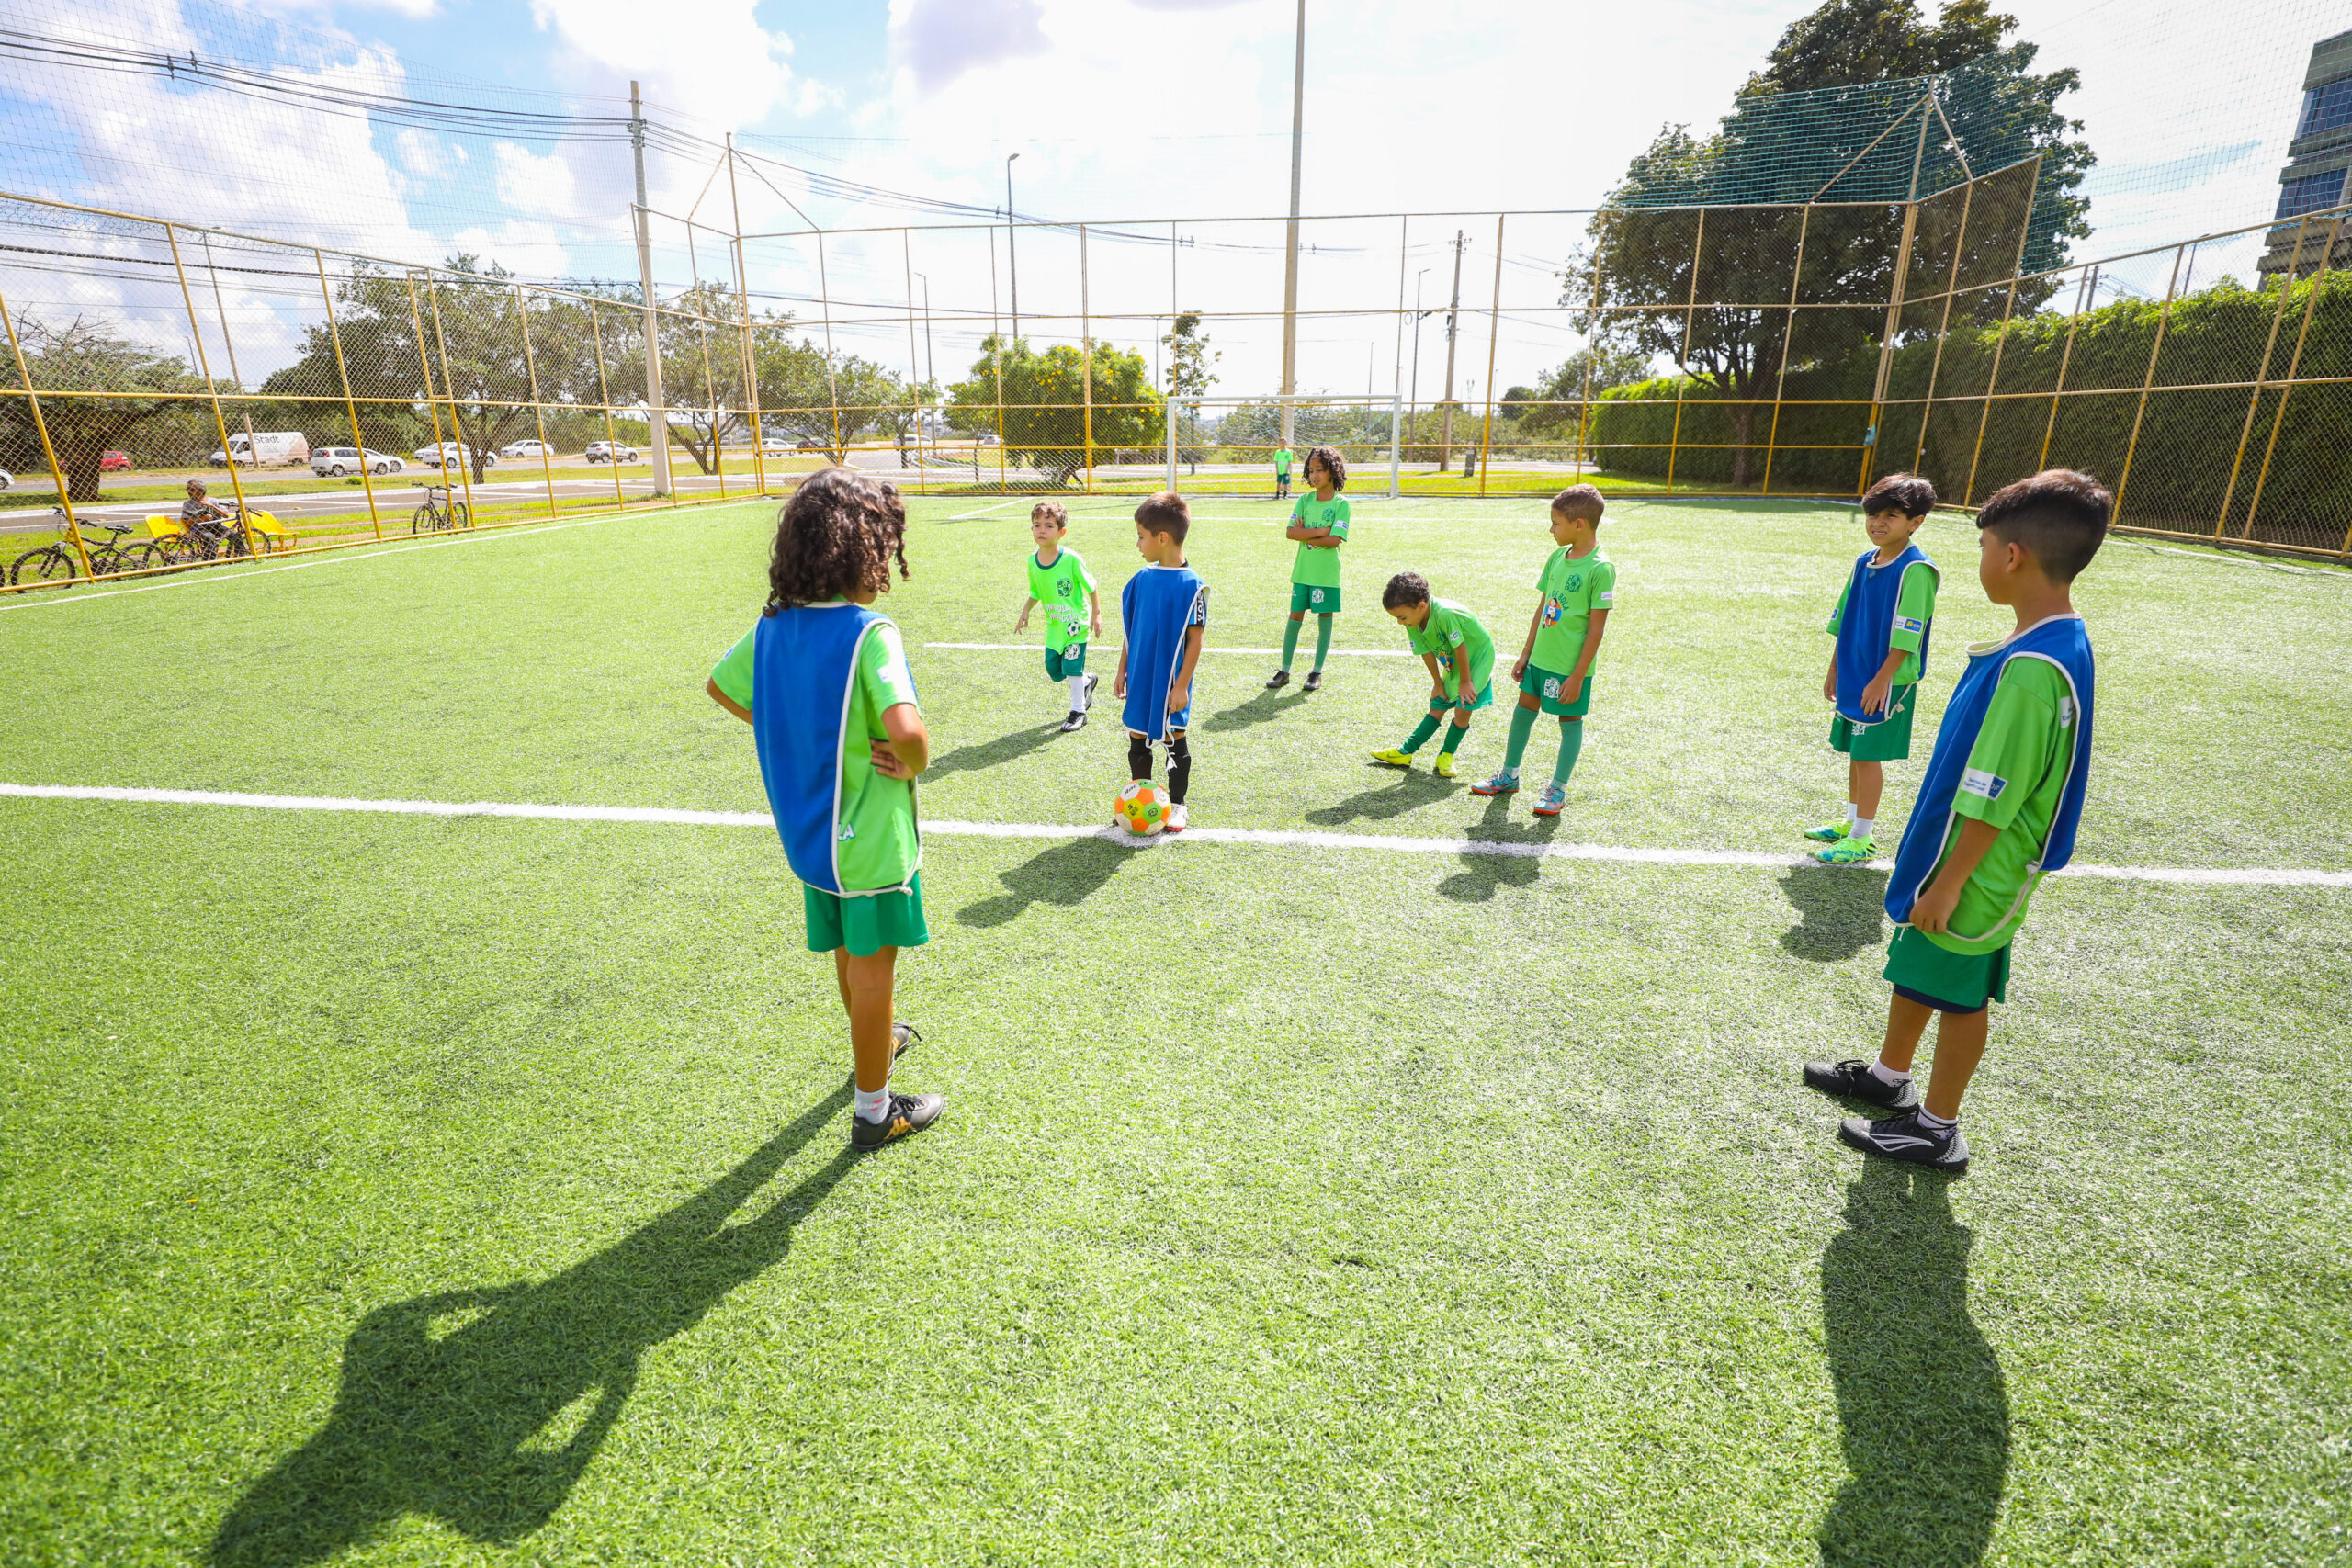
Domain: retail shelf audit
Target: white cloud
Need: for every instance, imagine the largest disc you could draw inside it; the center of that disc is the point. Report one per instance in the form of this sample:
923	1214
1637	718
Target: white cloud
519	245
938	40
425	156
710	59
534	185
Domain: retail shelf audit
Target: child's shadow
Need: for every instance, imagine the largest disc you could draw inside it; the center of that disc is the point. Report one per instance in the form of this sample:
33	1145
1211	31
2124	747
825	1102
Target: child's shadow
985	754
1257	710
1065	876
1841	910
1393	798
1515	862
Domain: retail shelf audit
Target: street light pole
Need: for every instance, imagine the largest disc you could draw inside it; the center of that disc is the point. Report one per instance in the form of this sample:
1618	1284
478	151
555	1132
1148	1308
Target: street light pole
1290	261
1011	263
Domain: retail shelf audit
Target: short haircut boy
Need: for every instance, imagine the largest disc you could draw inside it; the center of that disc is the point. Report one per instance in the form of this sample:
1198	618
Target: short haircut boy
1404	588
1333	464
1165	514
2058	516
1906	493
1580	501
1052	512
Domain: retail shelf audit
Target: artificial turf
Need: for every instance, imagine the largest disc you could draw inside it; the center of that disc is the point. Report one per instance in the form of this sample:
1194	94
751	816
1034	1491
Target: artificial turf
389	1188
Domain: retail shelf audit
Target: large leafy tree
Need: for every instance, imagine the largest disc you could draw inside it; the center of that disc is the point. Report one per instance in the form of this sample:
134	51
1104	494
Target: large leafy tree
1190	376
78	356
1044	403
1550	406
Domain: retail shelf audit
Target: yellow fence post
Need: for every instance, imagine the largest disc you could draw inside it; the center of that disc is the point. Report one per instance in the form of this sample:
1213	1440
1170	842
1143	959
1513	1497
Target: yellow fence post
457	421
832	384
2261	376
605	394
2294	362
1086	358
1493	336
2140	410
1788	337
2000	344
49	451
538	409
1895	302
2086	299
204	362
431	407
1943	325
1682	381
1584	426
744	309
358	435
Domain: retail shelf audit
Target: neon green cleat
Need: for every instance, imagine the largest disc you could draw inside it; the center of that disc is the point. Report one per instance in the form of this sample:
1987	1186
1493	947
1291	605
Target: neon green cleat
1446	764
1830	832
1849	850
1394	758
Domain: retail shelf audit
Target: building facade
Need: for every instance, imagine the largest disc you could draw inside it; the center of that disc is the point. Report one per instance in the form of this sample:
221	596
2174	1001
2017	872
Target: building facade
2318	175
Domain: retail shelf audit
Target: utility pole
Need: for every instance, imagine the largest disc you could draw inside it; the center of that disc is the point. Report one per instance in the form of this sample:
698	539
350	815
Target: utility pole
1290	259
1453	315
657	415
1011	262
1413	398
931	364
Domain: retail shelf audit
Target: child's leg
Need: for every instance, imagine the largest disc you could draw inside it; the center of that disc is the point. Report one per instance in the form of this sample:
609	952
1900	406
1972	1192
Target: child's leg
866	986
1180	766
1322	639
1423	731
1865	782
1906	1021
1523	725
1290	637
1960	1046
1139	757
1571	748
1455	733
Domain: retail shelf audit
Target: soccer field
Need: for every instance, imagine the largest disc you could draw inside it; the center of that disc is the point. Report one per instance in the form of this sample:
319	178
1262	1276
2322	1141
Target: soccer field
1375	1175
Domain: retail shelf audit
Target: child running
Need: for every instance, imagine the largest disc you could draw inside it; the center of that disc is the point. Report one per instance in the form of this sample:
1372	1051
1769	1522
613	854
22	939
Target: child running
1059	581
1555	665
822	680
1320	523
1165	611
1997	811
1460	655
1882	622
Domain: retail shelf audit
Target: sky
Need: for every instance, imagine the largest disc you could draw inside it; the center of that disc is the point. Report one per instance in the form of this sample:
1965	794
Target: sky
1124	114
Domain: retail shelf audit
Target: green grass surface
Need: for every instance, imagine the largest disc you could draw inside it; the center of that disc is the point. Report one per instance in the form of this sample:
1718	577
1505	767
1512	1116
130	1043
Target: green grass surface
401	1190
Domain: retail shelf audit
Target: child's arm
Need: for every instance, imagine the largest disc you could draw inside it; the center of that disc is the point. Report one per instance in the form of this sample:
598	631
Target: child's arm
1119	681
1931	912
1595	624
1437	681
1527	648
1096	599
1021	622
908	750
1302	531
1875	695
729	703
1179	695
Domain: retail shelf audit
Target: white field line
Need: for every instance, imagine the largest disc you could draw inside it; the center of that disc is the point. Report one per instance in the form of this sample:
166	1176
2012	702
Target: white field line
983	512
2211	877
1113	648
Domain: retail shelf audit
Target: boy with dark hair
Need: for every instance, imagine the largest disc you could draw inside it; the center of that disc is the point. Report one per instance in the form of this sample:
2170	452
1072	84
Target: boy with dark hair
1555	665
1460	655
1164	610
1997	811
1320	523
1882	624
1060	579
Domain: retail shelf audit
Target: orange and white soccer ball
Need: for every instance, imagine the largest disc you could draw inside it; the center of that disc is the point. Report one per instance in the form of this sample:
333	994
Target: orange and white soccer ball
1141	808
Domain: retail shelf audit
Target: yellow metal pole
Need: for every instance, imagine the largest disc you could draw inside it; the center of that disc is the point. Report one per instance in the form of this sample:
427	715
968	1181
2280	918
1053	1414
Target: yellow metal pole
1681	382
204	362
743	307
47	451
1943	326
1788	336
1584	426
2261	375
538	409
2140	410
605	394
2294	362
832	385
1893	326
359	436
457	421
2000	347
1086	353
1493	336
2085	297
432	409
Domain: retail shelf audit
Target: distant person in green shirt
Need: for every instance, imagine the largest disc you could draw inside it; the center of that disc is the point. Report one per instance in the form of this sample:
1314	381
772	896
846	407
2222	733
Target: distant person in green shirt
1998	810
1282	473
1460	655
1578	586
1884	616
1320	523
1059	581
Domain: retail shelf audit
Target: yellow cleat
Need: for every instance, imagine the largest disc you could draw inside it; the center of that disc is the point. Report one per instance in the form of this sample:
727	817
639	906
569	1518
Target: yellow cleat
1394	758
1446	764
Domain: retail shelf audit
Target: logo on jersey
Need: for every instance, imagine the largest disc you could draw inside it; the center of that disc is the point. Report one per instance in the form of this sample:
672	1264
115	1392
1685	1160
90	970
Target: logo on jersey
2066	713
1906	623
1987	786
1602	599
1552	687
1551	611
1576	580
847	833
1314	596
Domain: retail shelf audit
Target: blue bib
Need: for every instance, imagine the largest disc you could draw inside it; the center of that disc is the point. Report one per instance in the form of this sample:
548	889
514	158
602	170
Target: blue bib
1157	606
2063	641
804	671
1871	598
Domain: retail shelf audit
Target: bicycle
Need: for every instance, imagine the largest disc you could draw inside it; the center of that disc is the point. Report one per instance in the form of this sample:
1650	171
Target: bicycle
56	562
436	515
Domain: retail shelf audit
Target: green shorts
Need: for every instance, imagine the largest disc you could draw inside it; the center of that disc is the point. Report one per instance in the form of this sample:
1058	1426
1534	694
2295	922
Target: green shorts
1305	597
1947	981
1061	663
1543	684
867	924
1486	699
1887	740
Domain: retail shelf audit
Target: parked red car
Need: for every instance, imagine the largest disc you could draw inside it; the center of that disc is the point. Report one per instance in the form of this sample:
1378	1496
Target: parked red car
109	462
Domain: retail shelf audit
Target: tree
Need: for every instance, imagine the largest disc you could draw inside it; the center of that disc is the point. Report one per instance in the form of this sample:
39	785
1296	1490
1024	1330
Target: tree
799	399
1189	378
1043	405
1551	405
81	356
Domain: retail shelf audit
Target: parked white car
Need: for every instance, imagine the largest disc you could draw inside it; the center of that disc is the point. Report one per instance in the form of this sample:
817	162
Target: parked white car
334	462
610	452
527	447
457	457
287	448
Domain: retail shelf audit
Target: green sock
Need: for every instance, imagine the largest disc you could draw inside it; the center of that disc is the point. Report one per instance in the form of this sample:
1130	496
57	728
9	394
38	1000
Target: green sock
1421	732
1290	641
1571	744
1322	638
1455	733
1523	725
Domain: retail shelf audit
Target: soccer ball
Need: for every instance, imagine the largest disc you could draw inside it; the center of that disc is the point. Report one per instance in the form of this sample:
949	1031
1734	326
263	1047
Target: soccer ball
1141	808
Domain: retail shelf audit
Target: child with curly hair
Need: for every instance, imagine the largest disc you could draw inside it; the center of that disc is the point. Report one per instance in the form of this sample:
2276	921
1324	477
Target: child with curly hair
1320	523
822	680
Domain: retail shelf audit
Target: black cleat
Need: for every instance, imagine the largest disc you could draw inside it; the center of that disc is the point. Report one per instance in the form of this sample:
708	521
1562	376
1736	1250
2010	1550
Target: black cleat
906	1115
1279	679
1091	681
1852	1080
1077	720
903	1035
1314	680
1906	1138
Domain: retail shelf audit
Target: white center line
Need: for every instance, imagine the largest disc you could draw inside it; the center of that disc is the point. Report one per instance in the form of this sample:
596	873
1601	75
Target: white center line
2211	877
1113	648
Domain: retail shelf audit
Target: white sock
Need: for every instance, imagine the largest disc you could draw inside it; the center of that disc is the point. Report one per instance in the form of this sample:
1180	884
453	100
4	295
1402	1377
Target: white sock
1077	694
1861	829
874	1104
1852	811
1887	1075
1929	1119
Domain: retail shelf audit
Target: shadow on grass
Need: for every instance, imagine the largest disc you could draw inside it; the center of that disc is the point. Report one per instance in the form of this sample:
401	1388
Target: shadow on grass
985	754
1484	870
1921	1400
1841	910
482	1407
1257	710
1065	876
1391	797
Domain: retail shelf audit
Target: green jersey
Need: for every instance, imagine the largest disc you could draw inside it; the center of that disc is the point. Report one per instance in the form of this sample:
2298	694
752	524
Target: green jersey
1315	567
2016	771
1574	587
1282	462
1062	588
1914	606
1459	644
878	842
